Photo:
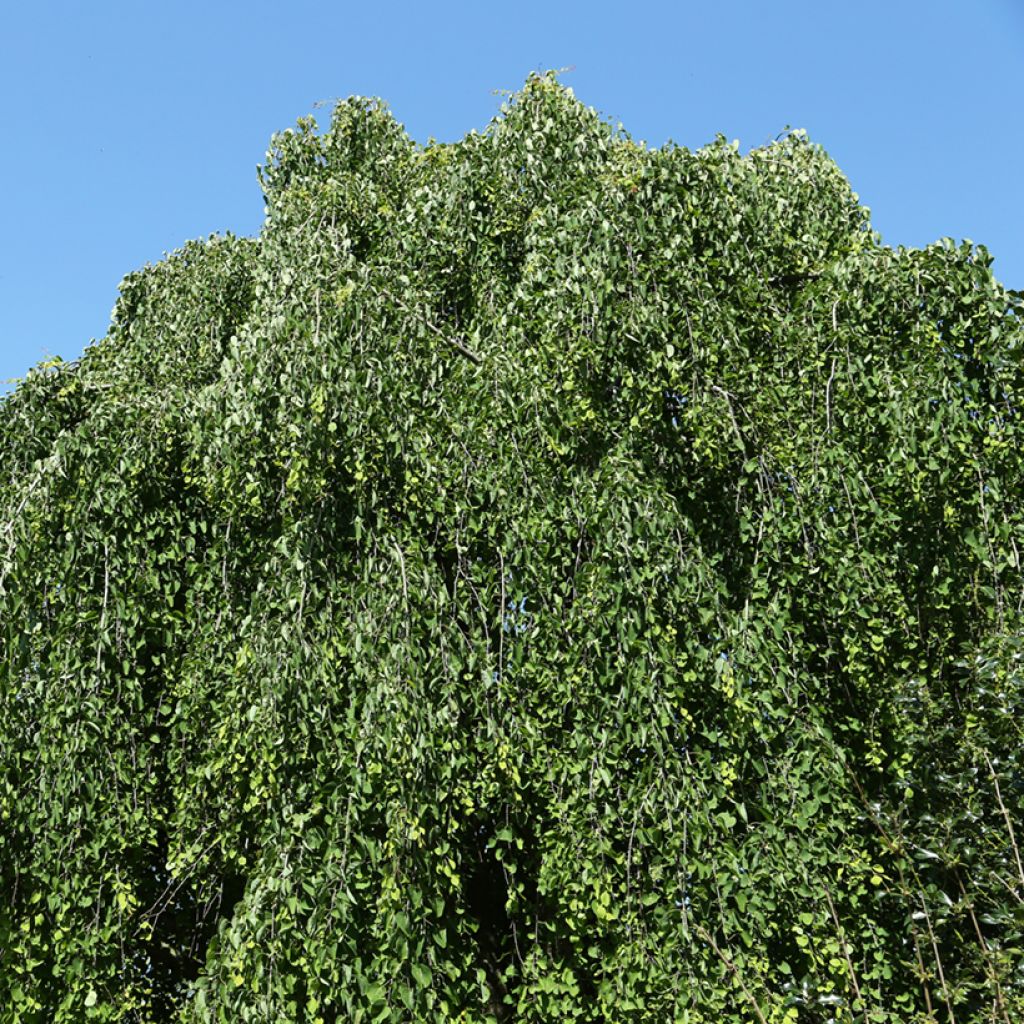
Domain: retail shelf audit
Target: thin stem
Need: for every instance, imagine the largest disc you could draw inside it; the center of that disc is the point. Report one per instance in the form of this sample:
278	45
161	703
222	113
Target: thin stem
846	949
733	970
1006	817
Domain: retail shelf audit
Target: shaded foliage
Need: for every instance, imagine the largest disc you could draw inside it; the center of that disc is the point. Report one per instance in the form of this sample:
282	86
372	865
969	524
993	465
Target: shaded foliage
539	578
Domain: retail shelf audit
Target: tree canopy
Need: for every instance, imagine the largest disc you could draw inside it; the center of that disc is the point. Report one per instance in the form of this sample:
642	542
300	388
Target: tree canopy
540	578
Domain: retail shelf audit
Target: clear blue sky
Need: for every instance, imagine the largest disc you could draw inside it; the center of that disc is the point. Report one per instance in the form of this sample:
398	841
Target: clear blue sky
132	127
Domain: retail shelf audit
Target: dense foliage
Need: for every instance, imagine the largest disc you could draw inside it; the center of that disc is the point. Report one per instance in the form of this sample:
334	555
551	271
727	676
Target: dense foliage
540	578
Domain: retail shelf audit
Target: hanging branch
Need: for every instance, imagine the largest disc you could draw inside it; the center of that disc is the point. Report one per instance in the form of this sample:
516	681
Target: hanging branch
455	343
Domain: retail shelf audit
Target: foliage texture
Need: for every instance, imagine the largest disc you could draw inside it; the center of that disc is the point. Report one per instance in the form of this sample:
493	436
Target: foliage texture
540	578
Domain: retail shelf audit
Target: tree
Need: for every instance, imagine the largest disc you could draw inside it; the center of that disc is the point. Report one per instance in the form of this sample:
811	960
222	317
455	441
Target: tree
539	578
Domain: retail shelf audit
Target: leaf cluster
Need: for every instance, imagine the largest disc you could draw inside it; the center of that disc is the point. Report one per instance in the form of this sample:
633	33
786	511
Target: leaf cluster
539	578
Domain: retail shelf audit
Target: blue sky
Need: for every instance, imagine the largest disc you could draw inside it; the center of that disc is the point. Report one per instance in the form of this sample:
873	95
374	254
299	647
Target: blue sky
130	128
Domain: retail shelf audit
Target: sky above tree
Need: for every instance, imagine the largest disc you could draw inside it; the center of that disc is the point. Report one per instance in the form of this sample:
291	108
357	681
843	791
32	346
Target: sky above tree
133	128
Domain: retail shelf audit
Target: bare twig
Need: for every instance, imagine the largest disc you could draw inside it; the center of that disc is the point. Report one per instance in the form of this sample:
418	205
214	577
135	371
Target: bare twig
405	587
842	942
733	970
455	343
938	959
106	594
828	398
1000	1007
1006	817
732	415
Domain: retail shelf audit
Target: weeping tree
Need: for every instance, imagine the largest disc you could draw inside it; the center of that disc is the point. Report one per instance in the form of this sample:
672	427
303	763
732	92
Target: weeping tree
540	578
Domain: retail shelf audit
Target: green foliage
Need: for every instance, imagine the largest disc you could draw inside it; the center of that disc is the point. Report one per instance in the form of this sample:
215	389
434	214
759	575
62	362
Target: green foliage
540	578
